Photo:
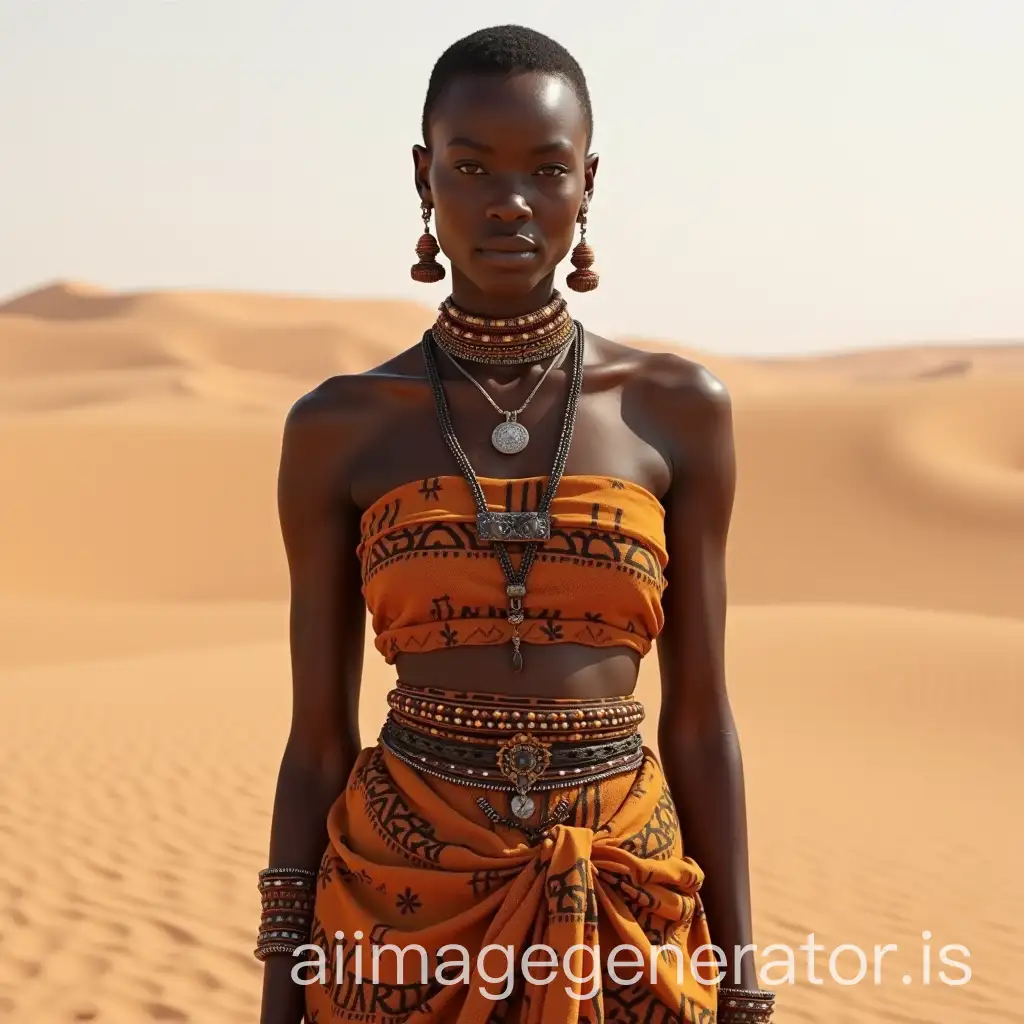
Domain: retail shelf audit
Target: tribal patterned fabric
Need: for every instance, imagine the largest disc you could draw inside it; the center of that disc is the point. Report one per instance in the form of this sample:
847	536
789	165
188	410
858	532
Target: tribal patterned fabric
426	909
431	582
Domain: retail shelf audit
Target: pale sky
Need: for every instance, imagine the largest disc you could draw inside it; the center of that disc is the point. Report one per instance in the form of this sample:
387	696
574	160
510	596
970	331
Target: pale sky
776	175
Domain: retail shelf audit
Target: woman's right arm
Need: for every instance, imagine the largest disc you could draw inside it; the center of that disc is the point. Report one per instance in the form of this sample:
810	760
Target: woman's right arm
320	531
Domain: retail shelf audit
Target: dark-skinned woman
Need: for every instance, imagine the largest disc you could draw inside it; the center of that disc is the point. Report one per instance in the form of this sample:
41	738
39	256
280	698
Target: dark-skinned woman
523	510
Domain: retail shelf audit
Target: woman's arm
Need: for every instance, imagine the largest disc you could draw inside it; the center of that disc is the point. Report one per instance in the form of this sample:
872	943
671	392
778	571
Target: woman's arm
697	736
320	530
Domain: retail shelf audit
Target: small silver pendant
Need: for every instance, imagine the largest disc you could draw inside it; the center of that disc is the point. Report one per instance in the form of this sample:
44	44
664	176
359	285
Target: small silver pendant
510	437
522	806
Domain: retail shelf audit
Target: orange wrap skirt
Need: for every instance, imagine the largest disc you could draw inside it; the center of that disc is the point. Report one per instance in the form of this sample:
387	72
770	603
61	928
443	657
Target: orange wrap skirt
428	912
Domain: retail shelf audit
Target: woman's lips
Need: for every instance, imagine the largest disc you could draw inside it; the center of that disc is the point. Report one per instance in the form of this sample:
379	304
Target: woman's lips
513	249
500	256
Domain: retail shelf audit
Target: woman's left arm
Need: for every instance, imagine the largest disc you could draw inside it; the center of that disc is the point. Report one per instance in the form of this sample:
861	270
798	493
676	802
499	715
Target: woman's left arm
697	736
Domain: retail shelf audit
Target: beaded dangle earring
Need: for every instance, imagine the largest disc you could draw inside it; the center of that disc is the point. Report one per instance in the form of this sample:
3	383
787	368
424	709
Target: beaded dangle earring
582	279
427	270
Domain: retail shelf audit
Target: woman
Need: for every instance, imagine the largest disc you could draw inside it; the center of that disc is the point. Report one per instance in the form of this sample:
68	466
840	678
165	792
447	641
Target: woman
524	508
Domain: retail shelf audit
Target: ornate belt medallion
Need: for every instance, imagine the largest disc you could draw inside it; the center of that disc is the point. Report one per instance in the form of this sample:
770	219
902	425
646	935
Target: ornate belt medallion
522	761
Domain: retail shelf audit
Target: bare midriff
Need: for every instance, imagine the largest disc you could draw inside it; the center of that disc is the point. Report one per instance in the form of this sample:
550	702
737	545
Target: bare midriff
561	671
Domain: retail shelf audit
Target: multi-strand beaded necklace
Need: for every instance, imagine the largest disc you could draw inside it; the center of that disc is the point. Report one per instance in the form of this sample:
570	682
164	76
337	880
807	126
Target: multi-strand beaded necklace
505	341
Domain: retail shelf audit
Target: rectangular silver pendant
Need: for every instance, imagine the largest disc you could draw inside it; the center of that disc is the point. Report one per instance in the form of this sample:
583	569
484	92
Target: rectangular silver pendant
513	526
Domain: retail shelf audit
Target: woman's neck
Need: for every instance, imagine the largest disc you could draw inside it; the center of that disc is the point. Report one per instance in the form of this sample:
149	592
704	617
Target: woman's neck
471	299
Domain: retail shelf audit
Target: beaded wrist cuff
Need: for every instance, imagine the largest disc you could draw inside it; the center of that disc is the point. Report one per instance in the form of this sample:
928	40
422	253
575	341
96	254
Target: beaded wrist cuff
287	897
745	1006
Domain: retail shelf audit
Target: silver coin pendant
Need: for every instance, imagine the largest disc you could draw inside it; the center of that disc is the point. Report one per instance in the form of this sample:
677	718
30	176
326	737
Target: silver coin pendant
522	806
510	437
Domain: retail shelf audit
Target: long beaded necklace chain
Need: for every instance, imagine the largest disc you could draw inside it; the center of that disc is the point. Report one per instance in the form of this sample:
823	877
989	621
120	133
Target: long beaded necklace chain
499	527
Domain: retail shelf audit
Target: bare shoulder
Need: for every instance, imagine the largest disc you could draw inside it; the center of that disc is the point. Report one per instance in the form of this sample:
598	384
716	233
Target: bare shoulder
663	372
353	401
692	405
329	428
347	395
682	403
327	414
680	377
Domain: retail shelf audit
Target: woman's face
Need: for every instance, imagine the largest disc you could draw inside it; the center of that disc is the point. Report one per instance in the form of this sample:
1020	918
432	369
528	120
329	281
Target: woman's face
506	173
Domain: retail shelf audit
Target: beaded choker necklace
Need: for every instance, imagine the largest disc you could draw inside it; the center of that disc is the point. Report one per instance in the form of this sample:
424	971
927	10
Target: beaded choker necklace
506	340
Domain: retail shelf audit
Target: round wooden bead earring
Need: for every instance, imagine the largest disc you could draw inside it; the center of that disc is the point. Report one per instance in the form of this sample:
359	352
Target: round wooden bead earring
582	279
427	270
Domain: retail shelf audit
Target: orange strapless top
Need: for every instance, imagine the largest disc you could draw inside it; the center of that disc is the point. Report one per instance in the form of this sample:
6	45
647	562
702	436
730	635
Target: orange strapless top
429	582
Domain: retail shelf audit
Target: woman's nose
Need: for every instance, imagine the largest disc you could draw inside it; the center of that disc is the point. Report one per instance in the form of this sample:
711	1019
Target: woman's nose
511	207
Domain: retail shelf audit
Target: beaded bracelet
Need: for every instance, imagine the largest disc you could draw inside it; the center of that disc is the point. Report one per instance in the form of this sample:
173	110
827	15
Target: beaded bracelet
745	1006
276	876
287	910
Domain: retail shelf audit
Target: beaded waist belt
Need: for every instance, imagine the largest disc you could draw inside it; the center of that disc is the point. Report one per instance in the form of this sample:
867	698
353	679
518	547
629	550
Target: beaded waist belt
516	744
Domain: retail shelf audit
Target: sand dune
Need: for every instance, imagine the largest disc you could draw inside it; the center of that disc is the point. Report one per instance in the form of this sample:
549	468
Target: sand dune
875	647
297	337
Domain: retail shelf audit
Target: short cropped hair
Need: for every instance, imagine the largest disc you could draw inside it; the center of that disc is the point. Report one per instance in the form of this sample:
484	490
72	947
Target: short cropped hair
506	49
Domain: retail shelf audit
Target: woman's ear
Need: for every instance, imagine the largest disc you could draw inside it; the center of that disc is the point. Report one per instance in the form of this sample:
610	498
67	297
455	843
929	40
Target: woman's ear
589	174
421	173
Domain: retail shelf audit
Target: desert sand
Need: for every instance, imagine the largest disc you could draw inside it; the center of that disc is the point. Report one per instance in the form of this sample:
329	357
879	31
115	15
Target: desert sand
875	652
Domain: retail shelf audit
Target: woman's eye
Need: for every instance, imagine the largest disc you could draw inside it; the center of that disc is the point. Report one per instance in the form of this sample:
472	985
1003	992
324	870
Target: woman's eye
470	169
554	171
